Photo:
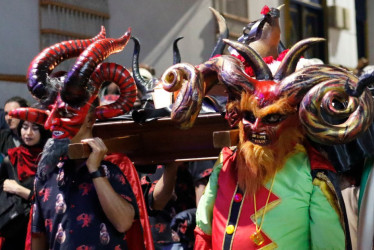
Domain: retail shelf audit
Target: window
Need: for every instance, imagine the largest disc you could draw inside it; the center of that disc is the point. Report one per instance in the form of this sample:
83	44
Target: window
307	19
361	26
62	20
235	13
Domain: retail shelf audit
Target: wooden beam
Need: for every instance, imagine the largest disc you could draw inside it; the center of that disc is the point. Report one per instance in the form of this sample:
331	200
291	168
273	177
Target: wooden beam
161	141
226	138
124	144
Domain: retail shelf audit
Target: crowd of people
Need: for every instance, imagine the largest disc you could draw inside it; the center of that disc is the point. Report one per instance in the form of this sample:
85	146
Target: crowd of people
279	187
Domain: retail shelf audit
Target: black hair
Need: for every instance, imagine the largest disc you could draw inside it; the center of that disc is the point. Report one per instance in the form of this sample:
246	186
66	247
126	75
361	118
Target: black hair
44	134
21	101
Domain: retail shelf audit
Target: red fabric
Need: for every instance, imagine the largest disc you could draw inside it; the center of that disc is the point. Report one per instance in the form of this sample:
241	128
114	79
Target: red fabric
265	10
135	236
28	235
203	241
26	160
268	60
222	208
1	242
282	55
317	160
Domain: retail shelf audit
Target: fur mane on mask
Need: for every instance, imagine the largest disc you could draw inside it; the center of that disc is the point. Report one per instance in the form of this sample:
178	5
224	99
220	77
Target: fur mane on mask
53	150
256	164
280	106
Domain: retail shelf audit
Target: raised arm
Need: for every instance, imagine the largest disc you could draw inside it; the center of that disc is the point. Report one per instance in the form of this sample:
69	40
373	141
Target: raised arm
39	241
164	188
118	210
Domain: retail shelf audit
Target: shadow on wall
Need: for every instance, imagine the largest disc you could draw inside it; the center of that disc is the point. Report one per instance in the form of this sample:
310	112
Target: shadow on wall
156	24
208	41
9	89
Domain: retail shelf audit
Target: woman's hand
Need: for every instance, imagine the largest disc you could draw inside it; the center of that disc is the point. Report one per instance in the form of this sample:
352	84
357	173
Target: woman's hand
11	186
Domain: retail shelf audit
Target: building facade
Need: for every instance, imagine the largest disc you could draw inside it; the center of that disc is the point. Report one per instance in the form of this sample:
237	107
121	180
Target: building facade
29	26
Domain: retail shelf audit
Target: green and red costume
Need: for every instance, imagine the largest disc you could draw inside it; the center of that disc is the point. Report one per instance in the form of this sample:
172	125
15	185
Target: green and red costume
300	213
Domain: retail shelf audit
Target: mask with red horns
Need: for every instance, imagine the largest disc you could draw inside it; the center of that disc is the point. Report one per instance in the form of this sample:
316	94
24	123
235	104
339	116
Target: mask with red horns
68	97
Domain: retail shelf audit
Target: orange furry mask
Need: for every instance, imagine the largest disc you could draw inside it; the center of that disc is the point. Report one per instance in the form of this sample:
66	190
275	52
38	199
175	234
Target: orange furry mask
257	161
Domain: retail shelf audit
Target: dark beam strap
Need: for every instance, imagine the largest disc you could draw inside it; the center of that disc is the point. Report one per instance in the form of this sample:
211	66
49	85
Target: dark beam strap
233	218
13	78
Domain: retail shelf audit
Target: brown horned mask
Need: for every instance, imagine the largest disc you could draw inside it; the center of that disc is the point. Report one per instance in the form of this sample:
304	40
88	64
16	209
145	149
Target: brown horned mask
313	92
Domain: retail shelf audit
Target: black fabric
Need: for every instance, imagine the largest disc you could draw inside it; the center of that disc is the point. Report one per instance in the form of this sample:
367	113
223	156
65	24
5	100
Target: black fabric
6	140
349	156
183	199
68	210
184	224
147	115
200	169
3	124
211	104
13	210
233	219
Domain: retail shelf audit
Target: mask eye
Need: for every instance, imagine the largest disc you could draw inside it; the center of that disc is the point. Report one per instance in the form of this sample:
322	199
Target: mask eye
65	113
69	115
273	118
249	116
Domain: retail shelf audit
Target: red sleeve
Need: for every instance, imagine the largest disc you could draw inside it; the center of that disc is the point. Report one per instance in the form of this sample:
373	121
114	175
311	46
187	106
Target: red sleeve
202	240
318	160
28	234
140	233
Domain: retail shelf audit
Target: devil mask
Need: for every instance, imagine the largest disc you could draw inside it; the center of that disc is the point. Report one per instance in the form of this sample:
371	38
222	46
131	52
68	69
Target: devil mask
68	97
265	105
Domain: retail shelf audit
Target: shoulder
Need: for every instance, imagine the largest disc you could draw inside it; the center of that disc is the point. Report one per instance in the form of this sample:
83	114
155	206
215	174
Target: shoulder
111	167
114	173
318	161
5	133
110	164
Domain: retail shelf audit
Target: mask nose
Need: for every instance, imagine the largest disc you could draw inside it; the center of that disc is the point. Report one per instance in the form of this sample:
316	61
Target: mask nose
52	120
256	125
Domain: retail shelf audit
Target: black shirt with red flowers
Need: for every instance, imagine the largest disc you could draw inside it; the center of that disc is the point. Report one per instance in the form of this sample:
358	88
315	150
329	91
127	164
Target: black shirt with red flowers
183	200
68	210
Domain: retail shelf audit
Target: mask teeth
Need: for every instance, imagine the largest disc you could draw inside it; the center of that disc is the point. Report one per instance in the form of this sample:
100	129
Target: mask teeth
259	141
259	138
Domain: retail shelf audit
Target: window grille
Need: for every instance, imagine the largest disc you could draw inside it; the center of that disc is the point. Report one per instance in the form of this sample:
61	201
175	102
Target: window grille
62	20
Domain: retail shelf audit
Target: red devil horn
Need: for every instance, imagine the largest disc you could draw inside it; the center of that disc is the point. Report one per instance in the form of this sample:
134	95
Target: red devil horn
74	91
115	73
43	64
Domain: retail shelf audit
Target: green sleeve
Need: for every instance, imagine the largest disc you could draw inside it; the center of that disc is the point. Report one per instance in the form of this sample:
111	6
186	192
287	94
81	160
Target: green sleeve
204	213
325	228
365	175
